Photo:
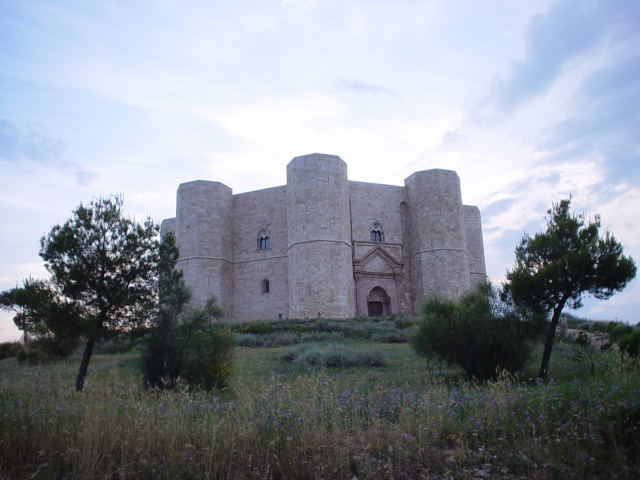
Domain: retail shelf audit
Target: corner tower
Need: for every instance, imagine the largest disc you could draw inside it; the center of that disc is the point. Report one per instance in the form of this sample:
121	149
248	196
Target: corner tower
320	254
203	230
437	242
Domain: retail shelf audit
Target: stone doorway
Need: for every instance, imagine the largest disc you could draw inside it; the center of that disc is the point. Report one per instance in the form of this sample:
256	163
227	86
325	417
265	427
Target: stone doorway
378	302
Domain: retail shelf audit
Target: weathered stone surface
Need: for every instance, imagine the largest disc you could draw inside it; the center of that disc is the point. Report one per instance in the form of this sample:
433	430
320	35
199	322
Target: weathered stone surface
321	258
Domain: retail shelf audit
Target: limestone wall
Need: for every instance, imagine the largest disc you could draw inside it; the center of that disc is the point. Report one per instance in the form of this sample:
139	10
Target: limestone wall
253	211
475	244
380	203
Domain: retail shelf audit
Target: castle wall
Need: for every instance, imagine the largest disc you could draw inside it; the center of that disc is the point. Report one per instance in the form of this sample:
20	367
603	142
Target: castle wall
439	261
253	211
321	260
319	238
475	244
371	202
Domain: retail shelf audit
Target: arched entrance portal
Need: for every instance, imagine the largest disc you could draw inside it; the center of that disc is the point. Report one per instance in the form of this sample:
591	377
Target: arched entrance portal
378	302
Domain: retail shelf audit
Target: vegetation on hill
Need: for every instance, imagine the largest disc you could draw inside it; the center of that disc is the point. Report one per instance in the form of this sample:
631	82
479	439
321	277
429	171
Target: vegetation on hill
278	420
560	265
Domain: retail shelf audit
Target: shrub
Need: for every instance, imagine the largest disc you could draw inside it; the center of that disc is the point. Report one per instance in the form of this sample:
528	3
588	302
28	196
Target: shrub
259	328
334	355
208	362
617	331
179	336
630	345
288	355
112	346
479	332
391	337
47	350
249	340
320	337
9	349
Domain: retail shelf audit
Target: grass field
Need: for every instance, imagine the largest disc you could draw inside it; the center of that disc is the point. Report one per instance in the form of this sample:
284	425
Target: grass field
276	420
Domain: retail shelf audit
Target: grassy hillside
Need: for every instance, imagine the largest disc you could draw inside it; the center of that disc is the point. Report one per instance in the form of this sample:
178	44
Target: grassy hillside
278	420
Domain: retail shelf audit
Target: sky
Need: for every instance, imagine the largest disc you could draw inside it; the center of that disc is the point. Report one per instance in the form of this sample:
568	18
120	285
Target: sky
530	101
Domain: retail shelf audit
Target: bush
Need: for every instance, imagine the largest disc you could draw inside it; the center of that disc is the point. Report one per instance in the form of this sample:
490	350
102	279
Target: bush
334	355
259	328
112	346
208	362
478	332
630	345
9	349
617	331
182	341
47	350
391	337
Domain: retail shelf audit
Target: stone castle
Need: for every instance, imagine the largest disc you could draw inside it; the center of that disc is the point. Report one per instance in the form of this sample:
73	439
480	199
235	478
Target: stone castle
324	246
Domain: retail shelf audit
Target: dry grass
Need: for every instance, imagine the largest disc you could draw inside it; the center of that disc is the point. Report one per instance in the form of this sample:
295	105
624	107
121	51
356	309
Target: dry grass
276	422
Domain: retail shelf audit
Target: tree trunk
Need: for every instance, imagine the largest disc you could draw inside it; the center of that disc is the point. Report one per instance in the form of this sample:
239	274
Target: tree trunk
84	364
548	344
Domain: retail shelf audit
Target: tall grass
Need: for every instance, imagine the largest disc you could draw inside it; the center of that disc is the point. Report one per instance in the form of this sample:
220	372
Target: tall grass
316	424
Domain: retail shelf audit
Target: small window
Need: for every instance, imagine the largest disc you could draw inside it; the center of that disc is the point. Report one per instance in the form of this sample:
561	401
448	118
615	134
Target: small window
376	233
263	240
265	286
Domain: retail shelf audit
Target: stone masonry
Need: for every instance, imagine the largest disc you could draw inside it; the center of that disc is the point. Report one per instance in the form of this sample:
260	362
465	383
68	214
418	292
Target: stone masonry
324	246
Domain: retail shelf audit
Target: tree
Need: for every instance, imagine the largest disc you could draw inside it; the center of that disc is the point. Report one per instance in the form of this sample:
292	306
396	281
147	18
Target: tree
50	327
30	304
558	266
182	343
103	265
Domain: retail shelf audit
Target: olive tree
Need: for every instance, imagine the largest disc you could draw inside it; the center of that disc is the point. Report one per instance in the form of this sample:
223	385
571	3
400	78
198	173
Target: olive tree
560	265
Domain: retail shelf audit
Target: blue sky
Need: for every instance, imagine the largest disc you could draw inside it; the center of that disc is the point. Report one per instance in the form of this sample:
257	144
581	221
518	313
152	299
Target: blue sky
529	101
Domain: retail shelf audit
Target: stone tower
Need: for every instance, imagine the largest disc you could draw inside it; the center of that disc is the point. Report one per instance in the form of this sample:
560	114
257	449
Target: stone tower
320	258
437	242
203	229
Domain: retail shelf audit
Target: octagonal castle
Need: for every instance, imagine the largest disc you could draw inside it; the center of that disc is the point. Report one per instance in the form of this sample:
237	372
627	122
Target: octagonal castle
324	246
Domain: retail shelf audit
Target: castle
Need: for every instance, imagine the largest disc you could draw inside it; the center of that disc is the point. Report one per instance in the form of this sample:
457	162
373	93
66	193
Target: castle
324	246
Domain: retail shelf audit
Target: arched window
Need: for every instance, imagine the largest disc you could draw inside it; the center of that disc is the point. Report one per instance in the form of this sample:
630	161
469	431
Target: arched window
376	233
265	286
263	239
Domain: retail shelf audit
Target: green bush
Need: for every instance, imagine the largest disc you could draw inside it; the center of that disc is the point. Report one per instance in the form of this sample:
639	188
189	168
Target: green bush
9	349
391	337
334	355
617	330
208	363
478	332
178	336
630	345
259	328
112	346
47	350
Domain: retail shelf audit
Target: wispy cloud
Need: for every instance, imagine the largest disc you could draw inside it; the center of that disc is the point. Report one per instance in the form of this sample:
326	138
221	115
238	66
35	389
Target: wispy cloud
603	122
357	87
569	30
35	144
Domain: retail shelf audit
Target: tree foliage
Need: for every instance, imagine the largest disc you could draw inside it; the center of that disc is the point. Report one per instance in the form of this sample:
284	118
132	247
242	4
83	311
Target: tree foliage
558	266
479	332
182	343
103	266
30	304
50	326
